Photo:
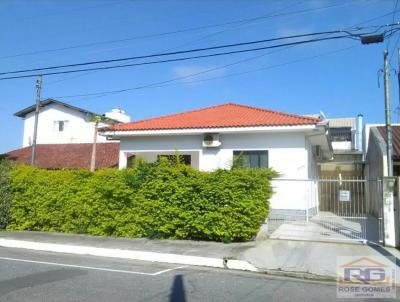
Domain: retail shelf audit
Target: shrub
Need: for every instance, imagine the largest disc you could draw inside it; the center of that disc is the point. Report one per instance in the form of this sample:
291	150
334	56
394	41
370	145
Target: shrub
5	192
160	200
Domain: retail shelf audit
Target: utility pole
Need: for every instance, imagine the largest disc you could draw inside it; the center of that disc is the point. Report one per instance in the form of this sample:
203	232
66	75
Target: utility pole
388	115
93	159
35	129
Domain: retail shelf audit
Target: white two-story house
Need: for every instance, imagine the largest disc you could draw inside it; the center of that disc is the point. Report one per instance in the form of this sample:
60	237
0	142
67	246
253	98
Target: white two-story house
65	136
62	123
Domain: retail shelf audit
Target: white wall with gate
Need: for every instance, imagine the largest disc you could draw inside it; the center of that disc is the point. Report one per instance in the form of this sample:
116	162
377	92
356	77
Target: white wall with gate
335	209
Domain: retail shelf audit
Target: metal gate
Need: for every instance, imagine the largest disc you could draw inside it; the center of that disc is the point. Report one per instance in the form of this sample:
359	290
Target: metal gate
327	209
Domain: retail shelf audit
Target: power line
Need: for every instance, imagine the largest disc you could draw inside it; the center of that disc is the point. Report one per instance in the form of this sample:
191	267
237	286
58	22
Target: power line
348	28
245	22
270	66
281	14
176	31
160	84
349	34
108	3
391	28
168	82
187	76
174	53
394	46
178	59
165	84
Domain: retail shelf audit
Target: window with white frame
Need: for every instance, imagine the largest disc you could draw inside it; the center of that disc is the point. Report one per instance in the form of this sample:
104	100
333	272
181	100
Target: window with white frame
251	158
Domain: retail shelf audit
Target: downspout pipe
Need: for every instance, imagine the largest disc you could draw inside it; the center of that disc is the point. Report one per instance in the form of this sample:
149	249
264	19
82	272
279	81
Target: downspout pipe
359	127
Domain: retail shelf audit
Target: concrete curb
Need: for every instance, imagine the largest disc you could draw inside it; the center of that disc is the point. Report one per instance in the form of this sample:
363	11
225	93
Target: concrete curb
130	254
299	275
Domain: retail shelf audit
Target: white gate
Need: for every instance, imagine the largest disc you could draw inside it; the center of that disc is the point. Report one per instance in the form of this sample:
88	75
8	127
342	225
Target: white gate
327	209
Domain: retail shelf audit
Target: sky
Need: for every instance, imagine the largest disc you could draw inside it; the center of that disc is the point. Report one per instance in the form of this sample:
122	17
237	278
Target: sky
341	77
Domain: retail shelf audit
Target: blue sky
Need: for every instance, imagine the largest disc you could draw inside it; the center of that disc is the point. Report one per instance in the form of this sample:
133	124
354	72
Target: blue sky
343	81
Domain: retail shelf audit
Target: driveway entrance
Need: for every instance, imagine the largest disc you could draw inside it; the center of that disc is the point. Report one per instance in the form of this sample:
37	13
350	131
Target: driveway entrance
339	210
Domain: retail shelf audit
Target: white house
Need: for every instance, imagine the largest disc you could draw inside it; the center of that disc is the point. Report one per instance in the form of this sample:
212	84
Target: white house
62	123
209	138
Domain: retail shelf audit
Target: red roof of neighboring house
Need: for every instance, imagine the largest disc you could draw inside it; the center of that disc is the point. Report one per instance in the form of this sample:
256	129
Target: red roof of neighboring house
72	156
396	138
226	115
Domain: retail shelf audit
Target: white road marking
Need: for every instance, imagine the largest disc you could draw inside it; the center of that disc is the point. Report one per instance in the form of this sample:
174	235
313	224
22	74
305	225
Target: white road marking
92	267
168	270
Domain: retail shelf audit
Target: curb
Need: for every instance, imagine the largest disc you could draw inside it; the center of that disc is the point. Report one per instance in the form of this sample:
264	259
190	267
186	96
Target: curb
130	254
299	275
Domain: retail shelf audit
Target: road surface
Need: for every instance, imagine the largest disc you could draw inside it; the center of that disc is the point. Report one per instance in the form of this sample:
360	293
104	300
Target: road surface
40	276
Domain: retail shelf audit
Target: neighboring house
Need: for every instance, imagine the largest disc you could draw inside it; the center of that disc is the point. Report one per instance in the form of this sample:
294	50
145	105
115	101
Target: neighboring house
71	156
376	159
62	123
65	137
346	138
210	138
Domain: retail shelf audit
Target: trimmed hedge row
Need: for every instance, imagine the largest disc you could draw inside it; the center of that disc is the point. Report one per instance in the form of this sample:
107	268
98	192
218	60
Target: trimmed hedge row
5	193
159	200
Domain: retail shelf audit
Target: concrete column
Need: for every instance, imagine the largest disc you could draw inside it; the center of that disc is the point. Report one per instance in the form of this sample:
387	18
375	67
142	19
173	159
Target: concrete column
123	160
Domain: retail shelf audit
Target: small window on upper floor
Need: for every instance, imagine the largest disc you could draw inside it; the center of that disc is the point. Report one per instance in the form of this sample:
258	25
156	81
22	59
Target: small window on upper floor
59	126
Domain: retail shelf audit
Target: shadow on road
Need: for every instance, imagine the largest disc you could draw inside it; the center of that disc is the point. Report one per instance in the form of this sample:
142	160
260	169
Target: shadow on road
36	279
178	290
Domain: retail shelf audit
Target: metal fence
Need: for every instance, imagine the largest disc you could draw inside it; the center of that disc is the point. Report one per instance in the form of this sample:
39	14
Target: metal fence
327	209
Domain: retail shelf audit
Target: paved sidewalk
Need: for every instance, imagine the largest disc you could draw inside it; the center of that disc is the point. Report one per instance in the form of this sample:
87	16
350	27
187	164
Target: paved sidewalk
305	259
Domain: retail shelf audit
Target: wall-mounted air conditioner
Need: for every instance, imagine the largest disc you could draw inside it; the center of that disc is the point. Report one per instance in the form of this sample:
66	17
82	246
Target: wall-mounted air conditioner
211	140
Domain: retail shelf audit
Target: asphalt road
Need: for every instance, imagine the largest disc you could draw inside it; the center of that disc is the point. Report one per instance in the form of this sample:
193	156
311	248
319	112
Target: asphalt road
39	276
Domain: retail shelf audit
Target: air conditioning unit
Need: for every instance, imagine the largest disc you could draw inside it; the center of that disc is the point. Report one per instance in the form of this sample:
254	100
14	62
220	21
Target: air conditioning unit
211	140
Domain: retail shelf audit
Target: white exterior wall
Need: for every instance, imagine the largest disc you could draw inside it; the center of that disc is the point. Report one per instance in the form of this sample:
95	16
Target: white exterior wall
342	145
78	128
290	154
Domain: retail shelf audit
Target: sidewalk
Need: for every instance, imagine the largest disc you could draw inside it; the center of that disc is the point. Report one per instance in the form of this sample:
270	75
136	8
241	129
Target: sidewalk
311	260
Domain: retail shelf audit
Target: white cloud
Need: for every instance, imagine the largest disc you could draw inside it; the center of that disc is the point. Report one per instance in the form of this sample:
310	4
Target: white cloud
192	73
292	31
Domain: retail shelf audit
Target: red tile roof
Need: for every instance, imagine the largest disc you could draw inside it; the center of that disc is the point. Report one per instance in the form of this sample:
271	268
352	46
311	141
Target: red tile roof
226	115
396	138
72	156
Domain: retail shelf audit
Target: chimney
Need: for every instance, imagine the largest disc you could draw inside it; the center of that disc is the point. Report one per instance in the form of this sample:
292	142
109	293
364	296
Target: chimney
359	129
118	115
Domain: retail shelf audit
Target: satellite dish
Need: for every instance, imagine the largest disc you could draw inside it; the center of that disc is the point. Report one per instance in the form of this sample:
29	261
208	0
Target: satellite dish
322	115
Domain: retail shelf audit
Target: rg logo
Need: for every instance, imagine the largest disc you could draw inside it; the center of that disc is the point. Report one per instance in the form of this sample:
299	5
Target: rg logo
365	276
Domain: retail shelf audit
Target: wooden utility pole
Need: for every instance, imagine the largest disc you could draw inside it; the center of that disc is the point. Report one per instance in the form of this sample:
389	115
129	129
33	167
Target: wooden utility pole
388	115
35	129
93	159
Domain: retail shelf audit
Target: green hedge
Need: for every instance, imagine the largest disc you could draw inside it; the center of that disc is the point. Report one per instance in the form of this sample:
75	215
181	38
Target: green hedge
5	192
160	200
